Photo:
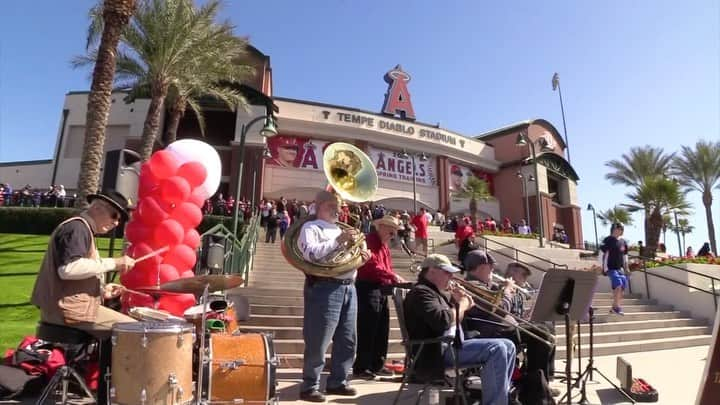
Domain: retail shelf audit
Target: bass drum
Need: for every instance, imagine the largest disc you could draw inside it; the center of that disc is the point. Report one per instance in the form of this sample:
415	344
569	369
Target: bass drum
241	367
152	363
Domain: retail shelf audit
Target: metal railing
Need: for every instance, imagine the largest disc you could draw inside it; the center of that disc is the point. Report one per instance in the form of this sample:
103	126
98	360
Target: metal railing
240	252
714	281
517	252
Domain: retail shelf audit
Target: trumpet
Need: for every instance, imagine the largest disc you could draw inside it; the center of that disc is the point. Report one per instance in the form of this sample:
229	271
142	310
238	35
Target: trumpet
523	290
492	300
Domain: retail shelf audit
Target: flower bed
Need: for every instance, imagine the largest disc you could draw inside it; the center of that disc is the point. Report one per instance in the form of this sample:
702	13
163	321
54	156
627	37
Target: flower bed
672	260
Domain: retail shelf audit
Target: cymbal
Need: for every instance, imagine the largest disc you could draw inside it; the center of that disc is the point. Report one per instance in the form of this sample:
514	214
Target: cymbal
153	290
192	285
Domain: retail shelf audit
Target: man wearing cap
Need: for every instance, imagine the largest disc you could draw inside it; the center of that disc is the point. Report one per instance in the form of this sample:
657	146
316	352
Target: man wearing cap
330	304
70	285
614	260
373	278
479	266
287	151
431	309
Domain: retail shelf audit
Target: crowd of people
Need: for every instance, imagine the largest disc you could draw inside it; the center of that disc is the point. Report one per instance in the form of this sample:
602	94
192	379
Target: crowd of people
29	196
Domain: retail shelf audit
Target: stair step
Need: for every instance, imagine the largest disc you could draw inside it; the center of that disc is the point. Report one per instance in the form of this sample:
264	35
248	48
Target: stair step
609	349
292	346
637	335
640	316
295	332
296	360
638	325
271	321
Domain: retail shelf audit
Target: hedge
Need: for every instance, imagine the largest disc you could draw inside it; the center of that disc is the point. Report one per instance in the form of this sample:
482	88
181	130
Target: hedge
42	221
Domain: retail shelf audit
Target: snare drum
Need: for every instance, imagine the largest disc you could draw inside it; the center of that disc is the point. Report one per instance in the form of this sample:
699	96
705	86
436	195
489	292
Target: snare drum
241	367
152	363
225	316
149	314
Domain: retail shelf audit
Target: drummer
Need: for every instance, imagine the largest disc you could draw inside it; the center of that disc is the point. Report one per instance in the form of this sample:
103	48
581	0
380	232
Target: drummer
70	285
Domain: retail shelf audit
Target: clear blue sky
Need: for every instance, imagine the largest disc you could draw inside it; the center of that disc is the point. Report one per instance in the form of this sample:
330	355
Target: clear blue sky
632	72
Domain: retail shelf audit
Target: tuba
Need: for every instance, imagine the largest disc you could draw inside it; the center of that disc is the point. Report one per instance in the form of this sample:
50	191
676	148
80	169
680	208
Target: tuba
351	175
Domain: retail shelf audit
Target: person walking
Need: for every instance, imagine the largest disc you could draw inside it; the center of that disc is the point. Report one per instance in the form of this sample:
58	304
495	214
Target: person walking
614	263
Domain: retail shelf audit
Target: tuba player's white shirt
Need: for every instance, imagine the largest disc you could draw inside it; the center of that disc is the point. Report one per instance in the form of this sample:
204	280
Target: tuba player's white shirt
317	239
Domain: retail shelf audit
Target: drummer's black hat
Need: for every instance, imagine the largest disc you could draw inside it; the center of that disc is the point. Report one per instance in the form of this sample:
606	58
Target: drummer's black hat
118	201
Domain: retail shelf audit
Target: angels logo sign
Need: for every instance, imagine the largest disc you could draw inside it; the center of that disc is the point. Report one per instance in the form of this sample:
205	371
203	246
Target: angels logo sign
397	98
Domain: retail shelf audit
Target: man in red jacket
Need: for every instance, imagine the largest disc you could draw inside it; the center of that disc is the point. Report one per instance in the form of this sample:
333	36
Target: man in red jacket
420	223
373	318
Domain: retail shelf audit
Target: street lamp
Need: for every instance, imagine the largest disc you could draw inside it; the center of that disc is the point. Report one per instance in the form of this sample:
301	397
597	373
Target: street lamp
423	157
523	140
591	208
268	130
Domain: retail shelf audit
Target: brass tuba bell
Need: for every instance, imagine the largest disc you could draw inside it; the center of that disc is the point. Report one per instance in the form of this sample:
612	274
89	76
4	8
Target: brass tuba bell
351	174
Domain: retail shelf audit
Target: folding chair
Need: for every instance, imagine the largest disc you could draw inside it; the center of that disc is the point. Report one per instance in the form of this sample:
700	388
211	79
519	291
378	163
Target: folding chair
408	344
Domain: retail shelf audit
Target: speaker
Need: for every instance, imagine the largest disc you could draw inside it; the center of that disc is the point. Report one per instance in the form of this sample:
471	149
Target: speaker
212	256
122	173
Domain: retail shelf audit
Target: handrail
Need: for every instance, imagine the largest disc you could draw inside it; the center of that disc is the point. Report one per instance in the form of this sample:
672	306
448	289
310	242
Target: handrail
241	250
516	250
647	284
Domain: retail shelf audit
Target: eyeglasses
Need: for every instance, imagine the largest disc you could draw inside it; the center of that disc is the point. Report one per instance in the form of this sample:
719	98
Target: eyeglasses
112	212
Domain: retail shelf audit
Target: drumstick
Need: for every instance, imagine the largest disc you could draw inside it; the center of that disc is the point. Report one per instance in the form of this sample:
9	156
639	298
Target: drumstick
137	292
152	254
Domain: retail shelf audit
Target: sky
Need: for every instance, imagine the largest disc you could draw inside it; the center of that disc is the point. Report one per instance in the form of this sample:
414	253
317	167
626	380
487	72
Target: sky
645	72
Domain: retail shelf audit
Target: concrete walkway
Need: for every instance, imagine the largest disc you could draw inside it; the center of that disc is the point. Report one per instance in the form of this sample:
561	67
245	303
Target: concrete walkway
674	373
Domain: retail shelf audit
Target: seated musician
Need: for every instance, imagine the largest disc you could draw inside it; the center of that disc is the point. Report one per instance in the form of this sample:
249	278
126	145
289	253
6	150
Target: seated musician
479	267
430	312
70	285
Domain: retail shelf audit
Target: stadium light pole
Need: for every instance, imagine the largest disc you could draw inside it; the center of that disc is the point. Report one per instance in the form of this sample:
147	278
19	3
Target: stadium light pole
556	86
523	140
591	208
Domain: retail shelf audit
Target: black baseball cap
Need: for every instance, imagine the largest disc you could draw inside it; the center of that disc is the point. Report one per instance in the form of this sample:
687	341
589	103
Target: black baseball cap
118	201
476	258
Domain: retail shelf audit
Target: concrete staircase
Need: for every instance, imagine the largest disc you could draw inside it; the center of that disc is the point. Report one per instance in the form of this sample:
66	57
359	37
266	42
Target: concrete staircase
275	294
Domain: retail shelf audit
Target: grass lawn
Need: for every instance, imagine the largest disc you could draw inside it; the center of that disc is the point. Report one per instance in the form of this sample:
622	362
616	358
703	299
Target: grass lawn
20	257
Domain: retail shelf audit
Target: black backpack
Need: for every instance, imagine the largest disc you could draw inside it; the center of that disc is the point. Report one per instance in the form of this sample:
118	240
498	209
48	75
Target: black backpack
534	389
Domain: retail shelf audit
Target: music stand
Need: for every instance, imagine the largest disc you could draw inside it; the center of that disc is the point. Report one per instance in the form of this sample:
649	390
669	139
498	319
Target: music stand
564	295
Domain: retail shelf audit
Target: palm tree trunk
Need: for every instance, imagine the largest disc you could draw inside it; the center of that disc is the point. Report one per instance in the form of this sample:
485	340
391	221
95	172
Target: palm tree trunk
152	120
177	111
473	213
707	202
116	15
652	231
684	249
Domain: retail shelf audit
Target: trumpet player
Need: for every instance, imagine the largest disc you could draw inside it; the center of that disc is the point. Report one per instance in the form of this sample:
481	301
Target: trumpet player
330	305
430	309
479	266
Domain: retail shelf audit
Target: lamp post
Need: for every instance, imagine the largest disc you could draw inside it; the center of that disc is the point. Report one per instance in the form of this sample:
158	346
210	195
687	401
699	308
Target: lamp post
522	140
524	182
591	208
556	85
423	157
267	131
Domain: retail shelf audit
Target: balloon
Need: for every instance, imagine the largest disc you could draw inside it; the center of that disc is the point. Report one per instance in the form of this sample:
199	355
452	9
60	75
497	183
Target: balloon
188	150
197	197
147	181
136	278
187	274
187	214
176	304
174	190
193	172
164	164
168	233
180	257
167	272
192	238
150	211
136	231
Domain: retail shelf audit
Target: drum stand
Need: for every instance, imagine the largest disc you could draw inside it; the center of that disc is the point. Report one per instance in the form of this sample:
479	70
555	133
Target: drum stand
201	354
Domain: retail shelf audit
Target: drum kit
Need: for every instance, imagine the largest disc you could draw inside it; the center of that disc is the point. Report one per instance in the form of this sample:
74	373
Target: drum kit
159	359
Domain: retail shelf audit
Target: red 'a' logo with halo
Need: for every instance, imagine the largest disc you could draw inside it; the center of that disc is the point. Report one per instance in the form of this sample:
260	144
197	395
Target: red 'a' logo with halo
397	98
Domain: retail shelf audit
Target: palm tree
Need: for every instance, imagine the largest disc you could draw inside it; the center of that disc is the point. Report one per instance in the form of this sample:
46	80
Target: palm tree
699	169
683	228
666	224
475	190
165	46
640	163
615	214
656	196
117	13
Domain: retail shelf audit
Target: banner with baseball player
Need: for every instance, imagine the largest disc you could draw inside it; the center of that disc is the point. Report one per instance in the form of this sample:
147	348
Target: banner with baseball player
460	174
296	152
